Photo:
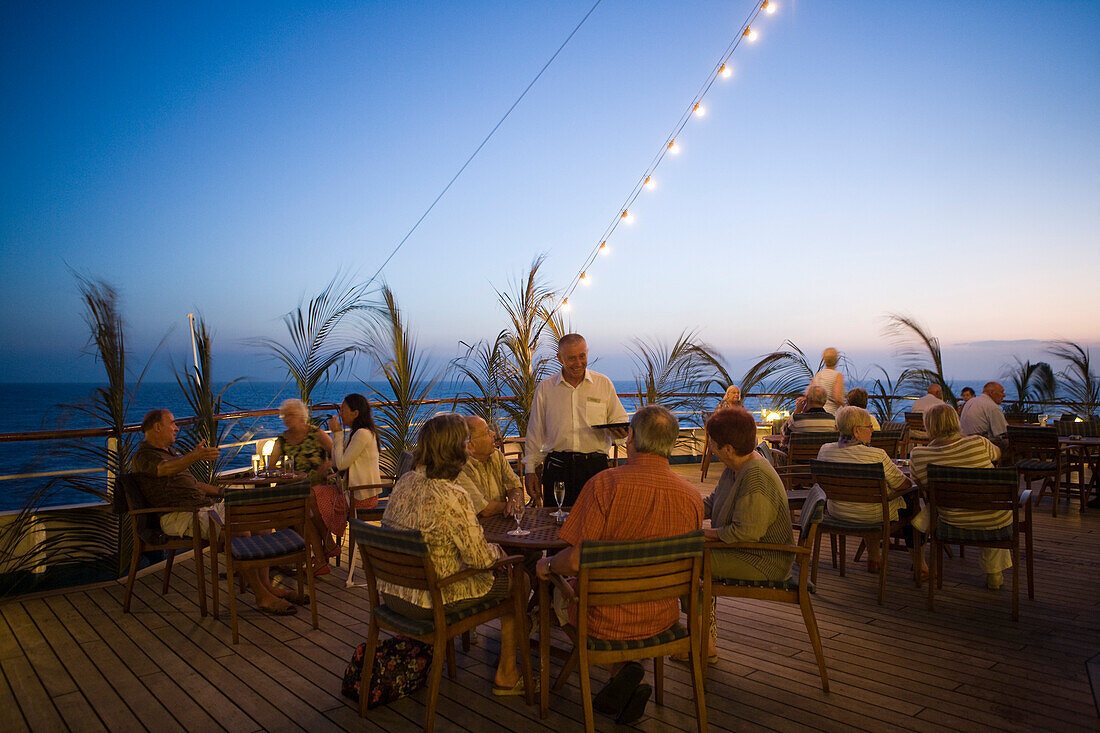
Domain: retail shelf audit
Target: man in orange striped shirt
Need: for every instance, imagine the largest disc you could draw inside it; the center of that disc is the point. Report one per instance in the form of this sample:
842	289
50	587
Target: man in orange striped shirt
642	500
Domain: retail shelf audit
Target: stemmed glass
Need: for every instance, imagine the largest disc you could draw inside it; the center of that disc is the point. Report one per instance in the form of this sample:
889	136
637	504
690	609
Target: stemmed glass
516	505
559	497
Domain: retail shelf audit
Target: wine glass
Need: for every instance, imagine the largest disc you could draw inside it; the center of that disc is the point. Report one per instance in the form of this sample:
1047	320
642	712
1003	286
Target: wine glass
516	506
559	497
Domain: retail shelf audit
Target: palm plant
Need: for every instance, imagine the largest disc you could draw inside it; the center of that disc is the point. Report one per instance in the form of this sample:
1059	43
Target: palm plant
482	365
1081	386
784	373
318	347
663	373
524	363
392	347
1033	384
197	385
883	402
921	353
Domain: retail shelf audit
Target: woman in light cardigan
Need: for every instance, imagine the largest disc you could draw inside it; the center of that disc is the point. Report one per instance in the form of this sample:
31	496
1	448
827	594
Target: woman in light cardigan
358	453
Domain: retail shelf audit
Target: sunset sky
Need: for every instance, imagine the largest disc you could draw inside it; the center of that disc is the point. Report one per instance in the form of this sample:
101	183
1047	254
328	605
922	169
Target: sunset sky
938	159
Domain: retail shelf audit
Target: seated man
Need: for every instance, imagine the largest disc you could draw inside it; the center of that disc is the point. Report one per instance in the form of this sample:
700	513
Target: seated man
982	415
814	419
933	397
487	476
641	500
167	482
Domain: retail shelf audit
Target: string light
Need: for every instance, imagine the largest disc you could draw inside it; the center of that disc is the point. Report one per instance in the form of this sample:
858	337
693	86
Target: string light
724	71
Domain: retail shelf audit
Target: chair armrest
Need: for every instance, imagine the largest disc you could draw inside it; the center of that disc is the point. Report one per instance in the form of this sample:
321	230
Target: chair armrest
1025	497
719	545
898	493
470	572
162	510
563	587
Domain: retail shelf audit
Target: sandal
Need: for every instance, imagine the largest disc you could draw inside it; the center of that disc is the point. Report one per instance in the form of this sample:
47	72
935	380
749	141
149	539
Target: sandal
516	689
281	610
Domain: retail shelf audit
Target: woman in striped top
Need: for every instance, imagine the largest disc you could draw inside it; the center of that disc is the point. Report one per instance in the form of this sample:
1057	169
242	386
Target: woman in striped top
948	447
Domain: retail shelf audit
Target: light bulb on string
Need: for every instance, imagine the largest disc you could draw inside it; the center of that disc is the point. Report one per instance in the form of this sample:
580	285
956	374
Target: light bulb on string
673	147
725	71
585	278
769	7
649	185
565	307
750	34
627	216
699	110
604	249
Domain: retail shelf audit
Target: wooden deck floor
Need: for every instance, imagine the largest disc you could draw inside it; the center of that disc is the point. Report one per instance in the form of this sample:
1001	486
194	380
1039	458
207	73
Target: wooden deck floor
75	661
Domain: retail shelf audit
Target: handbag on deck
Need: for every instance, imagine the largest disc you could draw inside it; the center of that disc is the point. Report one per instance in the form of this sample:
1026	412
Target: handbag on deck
401	667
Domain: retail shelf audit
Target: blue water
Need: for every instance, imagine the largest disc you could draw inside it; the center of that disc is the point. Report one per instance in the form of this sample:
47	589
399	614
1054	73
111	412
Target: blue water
33	407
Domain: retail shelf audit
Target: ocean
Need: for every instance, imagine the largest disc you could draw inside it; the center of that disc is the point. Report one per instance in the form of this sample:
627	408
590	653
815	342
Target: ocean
35	407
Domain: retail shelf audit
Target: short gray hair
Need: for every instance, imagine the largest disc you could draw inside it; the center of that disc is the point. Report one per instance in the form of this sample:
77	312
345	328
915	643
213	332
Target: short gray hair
569	339
655	430
815	395
849	418
294	407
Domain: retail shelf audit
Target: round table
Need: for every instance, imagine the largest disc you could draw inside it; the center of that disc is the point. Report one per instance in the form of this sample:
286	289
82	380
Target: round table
544	530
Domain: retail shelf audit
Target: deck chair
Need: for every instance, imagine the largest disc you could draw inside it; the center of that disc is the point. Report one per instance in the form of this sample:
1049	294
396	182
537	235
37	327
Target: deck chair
374	513
1037	455
617	573
264	527
401	558
802	448
889	441
793	590
863	483
979	489
914	421
1080	459
144	523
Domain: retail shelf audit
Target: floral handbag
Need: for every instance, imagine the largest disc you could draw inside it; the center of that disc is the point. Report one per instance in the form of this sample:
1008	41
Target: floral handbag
401	667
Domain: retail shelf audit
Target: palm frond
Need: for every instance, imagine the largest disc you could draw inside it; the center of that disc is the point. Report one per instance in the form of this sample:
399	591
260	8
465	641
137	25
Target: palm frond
920	353
784	373
1081	386
662	372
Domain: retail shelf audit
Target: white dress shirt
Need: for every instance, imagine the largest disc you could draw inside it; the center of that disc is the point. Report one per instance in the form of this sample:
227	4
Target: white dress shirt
561	416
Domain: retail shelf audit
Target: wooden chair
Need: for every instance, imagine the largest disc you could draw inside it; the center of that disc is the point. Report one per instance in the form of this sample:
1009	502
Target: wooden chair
263	527
802	448
617	573
889	441
1080	459
793	590
401	558
148	536
916	435
863	483
979	489
1036	454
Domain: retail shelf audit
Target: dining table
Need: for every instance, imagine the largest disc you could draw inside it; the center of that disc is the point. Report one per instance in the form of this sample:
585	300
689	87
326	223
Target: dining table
251	480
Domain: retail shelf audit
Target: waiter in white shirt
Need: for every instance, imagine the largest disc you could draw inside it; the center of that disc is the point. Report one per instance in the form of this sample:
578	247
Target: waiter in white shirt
560	436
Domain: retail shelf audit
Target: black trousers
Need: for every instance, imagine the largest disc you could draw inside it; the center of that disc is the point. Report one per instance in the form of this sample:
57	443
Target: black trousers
574	469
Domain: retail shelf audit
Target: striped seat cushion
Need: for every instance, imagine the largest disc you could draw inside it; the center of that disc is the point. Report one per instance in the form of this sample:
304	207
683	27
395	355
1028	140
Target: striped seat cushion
1036	465
263	546
424	626
830	522
611	645
790	584
950	533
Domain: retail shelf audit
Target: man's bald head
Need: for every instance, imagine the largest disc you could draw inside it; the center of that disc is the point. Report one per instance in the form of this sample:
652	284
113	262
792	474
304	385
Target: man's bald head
816	397
935	390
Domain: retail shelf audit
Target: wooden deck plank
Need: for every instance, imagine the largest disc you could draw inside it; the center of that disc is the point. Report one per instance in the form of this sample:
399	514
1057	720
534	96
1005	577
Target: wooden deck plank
11	718
34	699
78	713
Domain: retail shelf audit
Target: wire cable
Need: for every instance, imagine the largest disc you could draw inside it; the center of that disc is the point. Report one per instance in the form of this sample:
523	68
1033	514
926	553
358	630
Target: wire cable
482	145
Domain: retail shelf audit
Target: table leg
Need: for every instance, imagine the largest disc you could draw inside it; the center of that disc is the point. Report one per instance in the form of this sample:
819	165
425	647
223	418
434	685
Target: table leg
544	648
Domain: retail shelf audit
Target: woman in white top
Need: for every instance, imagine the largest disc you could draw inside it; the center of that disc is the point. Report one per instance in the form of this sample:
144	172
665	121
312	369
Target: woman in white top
358	452
830	380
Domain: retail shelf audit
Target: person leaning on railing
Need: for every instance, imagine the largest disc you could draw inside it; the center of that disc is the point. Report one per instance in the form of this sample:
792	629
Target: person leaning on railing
948	447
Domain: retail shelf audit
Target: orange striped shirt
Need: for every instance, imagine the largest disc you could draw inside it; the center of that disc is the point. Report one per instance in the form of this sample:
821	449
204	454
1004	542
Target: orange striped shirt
642	500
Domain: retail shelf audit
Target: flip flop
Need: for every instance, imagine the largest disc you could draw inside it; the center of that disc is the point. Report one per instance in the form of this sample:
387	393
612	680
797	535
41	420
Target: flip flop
288	610
516	689
298	600
685	659
617	692
635	706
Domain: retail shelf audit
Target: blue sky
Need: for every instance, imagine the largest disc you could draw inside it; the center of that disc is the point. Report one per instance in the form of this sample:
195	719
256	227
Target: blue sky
936	159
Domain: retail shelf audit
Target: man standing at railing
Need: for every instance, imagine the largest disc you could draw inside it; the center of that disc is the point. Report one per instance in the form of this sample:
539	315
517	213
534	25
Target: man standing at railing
560	436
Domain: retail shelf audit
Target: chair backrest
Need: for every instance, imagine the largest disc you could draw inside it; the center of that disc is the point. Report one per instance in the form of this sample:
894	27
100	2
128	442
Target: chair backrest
915	420
974	489
267	508
804	447
1086	428
1022	418
887	440
1039	443
128	497
863	483
618	573
395	556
